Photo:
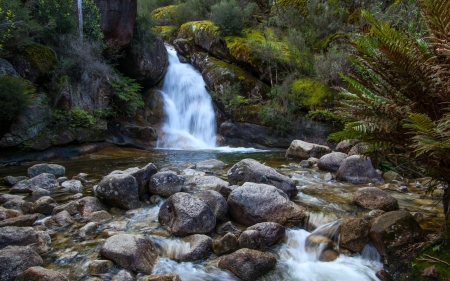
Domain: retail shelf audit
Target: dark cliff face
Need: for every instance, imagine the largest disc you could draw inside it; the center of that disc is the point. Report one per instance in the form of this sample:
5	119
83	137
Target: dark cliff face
118	17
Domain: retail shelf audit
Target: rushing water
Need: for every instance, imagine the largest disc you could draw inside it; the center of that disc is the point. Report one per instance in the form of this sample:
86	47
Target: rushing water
190	119
328	203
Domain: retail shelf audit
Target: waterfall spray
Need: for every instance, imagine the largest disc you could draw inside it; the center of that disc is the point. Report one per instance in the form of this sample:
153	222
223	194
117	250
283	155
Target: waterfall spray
190	119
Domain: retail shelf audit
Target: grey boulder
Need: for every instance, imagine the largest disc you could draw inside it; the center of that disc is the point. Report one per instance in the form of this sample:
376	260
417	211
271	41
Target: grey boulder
118	190
358	169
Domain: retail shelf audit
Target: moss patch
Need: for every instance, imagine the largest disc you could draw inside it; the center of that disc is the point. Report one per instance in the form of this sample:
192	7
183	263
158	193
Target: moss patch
166	32
40	57
310	92
191	30
164	15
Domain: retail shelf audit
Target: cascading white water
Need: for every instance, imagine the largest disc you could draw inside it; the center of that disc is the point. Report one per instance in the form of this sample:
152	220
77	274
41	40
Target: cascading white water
80	17
190	120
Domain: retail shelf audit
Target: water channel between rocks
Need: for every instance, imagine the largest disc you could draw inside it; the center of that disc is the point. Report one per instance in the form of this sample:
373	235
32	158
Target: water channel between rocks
327	202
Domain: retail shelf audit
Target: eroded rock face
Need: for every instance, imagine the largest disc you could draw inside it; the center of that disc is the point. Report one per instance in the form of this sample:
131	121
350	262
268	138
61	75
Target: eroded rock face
394	229
119	190
165	184
117	21
374	198
134	252
303	150
331	161
248	264
249	170
357	169
147	64
39	241
254	203
16	259
184	214
354	234
38	273
54	169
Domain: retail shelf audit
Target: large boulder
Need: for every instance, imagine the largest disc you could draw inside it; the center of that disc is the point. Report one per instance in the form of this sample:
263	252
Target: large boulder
16	259
374	198
146	64
254	203
38	273
34	62
42	181
119	190
165	184
204	35
357	169
303	150
55	169
184	214
249	170
248	264
117	21
395	229
39	241
354	234
134	252
331	161
142	177
216	202
271	232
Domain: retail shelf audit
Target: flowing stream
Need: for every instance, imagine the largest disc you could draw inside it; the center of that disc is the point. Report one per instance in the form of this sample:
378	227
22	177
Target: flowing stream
190	119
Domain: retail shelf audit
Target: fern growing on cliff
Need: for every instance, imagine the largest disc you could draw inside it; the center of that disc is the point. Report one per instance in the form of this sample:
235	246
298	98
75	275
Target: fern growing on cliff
398	94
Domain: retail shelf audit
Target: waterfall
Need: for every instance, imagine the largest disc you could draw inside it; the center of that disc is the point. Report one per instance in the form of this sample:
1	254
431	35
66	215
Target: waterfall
80	17
189	115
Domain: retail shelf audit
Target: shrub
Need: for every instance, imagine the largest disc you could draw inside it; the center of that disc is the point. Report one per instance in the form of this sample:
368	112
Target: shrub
230	17
311	93
127	98
14	97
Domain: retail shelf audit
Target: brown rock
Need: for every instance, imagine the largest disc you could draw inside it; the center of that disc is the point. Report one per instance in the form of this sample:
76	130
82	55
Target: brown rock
375	198
61	219
25	220
161	277
225	245
430	272
38	273
100	266
354	234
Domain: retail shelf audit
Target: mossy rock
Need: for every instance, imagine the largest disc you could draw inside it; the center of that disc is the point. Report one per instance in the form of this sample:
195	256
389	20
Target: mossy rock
205	35
244	50
216	72
35	62
164	15
310	92
167	32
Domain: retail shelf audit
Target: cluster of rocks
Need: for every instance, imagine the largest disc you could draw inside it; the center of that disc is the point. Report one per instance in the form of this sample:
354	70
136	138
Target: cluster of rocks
236	220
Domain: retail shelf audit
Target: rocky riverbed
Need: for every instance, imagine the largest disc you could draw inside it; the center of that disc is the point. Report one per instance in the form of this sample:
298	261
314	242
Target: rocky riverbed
126	214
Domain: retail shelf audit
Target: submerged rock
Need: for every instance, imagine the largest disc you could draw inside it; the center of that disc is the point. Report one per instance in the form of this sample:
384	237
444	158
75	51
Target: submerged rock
184	214
54	169
254	203
357	169
374	198
119	190
134	252
249	170
38	273
248	264
303	150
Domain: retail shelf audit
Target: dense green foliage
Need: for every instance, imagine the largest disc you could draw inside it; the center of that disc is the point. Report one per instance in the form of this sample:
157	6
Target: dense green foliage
127	98
398	93
14	97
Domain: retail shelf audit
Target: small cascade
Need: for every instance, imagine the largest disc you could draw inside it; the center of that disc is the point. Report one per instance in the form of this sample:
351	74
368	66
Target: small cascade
190	119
